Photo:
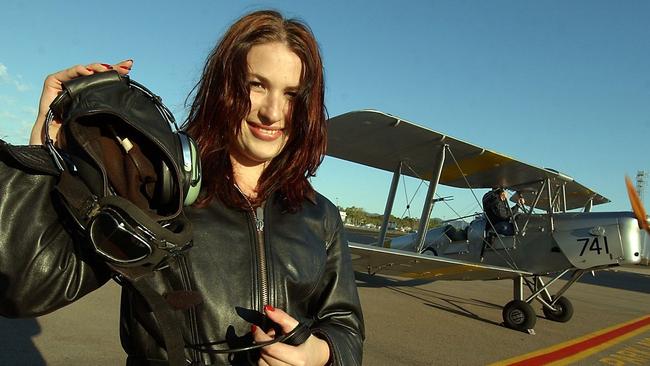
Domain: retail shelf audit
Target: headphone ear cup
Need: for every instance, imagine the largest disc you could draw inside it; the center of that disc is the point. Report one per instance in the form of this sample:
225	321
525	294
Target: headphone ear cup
165	186
191	168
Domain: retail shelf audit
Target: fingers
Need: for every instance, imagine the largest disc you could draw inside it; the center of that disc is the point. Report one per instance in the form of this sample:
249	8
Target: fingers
53	82
280	354
122	67
98	67
268	360
314	351
278	316
259	336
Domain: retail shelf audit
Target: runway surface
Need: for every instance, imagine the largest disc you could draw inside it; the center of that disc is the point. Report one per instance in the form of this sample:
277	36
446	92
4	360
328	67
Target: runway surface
407	323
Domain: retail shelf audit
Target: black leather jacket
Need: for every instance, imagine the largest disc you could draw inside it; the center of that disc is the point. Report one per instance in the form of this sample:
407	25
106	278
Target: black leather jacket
298	262
302	265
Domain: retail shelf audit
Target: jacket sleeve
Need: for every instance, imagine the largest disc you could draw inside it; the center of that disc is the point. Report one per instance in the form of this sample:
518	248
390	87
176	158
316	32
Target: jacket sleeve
339	319
41	267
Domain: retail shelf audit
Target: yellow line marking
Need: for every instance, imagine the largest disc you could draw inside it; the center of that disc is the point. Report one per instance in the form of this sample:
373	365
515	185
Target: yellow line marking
591	351
583	354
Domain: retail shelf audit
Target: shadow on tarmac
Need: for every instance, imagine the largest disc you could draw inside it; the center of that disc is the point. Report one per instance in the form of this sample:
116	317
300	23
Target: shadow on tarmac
17	346
435	299
621	280
16	336
453	304
613	279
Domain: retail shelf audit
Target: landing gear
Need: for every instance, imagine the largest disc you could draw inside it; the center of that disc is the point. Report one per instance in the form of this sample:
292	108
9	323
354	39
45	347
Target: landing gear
518	315
430	251
563	311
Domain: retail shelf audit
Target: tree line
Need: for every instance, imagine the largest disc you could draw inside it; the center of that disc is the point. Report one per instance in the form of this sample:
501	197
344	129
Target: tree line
359	217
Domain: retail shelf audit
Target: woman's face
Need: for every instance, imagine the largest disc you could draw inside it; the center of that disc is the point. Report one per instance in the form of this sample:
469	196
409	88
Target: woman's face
273	79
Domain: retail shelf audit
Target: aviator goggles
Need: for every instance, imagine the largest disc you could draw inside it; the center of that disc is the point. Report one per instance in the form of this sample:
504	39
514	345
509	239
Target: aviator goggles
127	240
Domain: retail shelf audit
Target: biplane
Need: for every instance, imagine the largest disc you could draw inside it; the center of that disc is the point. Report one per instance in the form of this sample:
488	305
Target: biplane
556	235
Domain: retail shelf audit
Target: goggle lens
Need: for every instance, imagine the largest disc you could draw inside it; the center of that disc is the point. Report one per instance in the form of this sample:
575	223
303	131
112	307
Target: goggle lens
113	238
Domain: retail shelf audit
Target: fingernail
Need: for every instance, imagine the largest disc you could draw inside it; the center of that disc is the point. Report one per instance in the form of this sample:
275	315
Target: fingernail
269	308
129	60
253	328
107	66
125	68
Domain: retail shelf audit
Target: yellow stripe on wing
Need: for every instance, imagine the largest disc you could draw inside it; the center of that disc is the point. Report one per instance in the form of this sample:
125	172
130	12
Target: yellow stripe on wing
446	271
473	165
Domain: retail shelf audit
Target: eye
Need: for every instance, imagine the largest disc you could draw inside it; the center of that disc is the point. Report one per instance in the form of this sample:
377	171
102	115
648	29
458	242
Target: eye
291	94
254	84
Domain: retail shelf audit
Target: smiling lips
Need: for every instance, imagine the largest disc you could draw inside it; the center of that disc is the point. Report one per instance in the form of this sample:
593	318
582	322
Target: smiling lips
264	133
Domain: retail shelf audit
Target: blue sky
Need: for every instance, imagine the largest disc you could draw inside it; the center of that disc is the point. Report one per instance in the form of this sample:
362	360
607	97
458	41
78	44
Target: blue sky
561	84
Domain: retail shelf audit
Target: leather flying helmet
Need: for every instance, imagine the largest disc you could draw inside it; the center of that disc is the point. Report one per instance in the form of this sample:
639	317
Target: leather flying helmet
126	168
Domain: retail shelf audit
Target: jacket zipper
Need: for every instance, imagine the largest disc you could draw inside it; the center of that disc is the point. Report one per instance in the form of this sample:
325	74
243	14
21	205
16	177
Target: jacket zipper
258	215
258	222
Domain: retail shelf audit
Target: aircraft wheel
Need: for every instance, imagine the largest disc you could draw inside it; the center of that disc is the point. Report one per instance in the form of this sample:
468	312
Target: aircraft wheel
430	251
564	311
518	315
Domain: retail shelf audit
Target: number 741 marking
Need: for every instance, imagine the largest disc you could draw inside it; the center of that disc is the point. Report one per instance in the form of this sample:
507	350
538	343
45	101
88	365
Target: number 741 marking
595	245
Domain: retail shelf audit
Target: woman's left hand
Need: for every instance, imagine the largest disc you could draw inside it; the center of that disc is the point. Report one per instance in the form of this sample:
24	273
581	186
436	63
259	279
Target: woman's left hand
314	352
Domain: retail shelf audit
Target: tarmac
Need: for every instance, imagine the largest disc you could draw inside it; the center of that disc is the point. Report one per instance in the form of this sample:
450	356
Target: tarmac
407	323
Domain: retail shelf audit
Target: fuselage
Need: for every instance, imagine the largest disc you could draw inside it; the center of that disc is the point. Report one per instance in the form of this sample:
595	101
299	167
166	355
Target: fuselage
542	243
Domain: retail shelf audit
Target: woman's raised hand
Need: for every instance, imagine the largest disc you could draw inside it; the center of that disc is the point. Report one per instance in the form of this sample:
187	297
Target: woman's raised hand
53	87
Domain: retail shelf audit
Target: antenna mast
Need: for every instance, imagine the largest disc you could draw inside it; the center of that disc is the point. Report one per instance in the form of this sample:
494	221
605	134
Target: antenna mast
640	185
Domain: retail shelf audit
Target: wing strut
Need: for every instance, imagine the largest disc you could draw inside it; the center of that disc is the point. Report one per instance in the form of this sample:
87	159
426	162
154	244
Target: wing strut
389	204
439	161
550	204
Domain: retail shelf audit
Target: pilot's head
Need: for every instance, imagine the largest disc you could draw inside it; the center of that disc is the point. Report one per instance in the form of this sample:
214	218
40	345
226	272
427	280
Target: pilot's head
501	193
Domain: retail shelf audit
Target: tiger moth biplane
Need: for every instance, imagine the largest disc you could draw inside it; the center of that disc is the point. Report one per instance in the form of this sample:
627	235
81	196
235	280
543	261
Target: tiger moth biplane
557	234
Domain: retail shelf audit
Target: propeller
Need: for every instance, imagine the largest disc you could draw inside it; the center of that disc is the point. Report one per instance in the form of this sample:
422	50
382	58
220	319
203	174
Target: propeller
637	205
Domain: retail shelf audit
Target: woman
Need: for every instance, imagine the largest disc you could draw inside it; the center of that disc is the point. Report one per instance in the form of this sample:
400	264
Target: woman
269	251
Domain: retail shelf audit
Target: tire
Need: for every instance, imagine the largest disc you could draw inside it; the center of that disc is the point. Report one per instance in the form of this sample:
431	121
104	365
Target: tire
564	311
518	315
430	251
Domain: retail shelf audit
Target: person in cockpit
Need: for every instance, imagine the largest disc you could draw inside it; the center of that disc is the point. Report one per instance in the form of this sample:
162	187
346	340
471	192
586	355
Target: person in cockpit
498	212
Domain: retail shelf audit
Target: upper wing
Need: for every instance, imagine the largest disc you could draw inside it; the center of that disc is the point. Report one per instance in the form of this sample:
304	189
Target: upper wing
381	141
394	262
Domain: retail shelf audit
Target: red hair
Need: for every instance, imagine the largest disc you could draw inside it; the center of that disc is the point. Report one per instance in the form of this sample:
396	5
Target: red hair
222	101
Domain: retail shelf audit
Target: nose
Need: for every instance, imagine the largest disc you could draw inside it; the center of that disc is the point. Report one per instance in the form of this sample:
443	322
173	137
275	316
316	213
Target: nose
271	108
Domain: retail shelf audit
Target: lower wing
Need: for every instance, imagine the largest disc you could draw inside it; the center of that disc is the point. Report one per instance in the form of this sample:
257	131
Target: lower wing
394	262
